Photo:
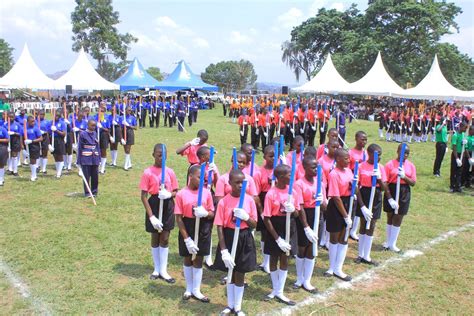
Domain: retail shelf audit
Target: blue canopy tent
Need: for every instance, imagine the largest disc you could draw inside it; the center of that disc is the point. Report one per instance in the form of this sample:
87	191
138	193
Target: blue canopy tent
136	78
183	78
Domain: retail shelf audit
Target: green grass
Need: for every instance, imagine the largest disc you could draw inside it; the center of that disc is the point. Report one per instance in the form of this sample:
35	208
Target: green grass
80	259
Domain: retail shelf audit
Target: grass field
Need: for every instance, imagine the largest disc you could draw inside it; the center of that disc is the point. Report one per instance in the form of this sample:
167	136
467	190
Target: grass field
81	259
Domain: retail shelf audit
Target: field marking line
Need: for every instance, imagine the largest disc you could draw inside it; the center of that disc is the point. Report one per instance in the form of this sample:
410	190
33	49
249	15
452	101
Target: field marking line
23	290
370	274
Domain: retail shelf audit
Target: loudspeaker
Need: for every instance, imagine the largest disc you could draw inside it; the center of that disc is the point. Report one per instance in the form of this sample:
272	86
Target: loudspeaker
284	90
68	89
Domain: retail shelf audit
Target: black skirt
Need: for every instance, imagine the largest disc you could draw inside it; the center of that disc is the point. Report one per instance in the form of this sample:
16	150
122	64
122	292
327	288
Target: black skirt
168	213
279	224
205	234
130	136
34	150
3	154
334	221
69	141
245	255
59	146
260	225
302	240
376	207
404	200
104	140
15	143
45	142
118	133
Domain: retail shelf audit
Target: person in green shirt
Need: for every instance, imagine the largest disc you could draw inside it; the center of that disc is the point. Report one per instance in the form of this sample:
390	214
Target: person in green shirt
458	141
467	174
441	134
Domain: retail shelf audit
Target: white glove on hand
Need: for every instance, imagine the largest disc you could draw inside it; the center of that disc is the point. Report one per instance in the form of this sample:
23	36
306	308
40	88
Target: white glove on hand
227	259
123	142
377	173
458	162
319	198
271	115
289	206
42	132
242	133
464	141
112	140
99	125
401	173
348	221
11	133
157	224
313	128
322	130
200	211
312	237
114	122
471	161
257	132
51	148
126	123
284	246
195	141
76	129
164	194
74	147
292	131
212	167
256	120
283	159
79	171
191	246
265	134
301	131
241	213
366	212
393	203
54	128
28	141
67	122
245	123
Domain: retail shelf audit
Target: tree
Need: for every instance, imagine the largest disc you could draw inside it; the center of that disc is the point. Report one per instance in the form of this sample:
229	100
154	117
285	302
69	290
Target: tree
6	58
112	71
230	75
155	72
94	28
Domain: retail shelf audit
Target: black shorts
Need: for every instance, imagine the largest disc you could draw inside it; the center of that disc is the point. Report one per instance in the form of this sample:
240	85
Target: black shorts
130	136
45	142
302	240
205	235
168	213
404	199
118	133
104	140
3	154
260	225
59	146
279	224
376	207
15	143
334	221
245	255
34	150
69	141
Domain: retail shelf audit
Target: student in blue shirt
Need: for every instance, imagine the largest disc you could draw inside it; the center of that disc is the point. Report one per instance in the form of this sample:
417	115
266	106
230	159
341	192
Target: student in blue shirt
3	152
19	119
115	135
32	143
14	131
59	130
103	129
44	126
129	125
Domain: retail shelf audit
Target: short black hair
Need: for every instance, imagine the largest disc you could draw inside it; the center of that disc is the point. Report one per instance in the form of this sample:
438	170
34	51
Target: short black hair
360	133
340	152
373	148
280	170
202	133
202	151
235	173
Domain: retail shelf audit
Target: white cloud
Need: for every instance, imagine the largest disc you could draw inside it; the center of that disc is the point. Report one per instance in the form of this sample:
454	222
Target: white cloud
166	21
200	42
339	6
290	18
315	6
237	37
464	40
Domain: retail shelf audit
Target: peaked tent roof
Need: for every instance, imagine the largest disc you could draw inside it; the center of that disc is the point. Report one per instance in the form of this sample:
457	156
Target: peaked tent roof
82	76
26	74
183	78
136	77
327	80
375	82
435	87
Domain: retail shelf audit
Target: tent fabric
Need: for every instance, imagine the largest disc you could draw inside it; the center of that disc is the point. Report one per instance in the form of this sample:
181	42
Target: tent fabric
136	77
327	80
25	74
435	87
82	76
376	82
183	78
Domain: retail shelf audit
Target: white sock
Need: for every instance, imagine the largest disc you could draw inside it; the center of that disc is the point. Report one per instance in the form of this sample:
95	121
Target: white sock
230	295
275	278
355	226
262	245
188	276
368	247
37	164
282	274
238	296
361	245
44	164
15	164
33	171
332	257
127	157
388	229
322	242
208	259
114	156
103	161
69	162
10	164
308	272
341	256
25	154
2	174
266	263
394	232
197	278
299	262
155	254
59	169
380	133
164	262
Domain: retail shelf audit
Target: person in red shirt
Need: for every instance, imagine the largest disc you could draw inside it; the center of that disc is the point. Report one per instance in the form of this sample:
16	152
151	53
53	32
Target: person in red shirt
190	148
323	117
150	184
306	188
246	256
407	174
264	127
243	122
186	212
313	125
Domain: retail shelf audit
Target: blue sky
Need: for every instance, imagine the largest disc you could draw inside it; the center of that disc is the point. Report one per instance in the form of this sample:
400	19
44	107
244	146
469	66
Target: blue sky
200	32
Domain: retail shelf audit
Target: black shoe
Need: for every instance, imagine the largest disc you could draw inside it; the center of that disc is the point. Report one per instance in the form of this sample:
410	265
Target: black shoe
268	298
289	302
296	286
358	260
371	262
170	280
186	297
313	291
9	173
328	275
154	276
226	311
203	300
347	278
15	174
209	267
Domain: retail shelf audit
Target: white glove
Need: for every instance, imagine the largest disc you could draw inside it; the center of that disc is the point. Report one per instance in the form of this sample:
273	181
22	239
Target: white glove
51	148
195	141
74	147
301	131
112	140
126	123
271	115
242	133
79	171
283	159
401	173
319	198
42	132
289	206
245	123
76	129
292	131
11	133
393	203
284	246
212	167
312	237
28	141
471	161
164	194
99	125
366	212
114	122
348	221
241	213
67	121
377	173
265	134
191	245
322	130
306	120
54	128
464	141
257	131
227	259
267	125
256	120
123	142
200	211
157	224
313	128
409	129
458	162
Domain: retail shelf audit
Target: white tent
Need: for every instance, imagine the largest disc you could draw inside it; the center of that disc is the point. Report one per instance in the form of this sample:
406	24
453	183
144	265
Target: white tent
435	87
376	82
82	76
25	74
327	80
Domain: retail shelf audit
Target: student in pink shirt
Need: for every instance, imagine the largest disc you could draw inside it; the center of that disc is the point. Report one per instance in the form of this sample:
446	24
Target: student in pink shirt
407	175
247	150
246	256
328	162
306	189
337	219
150	184
186	211
366	172
322	149
190	148
276	207
298	144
